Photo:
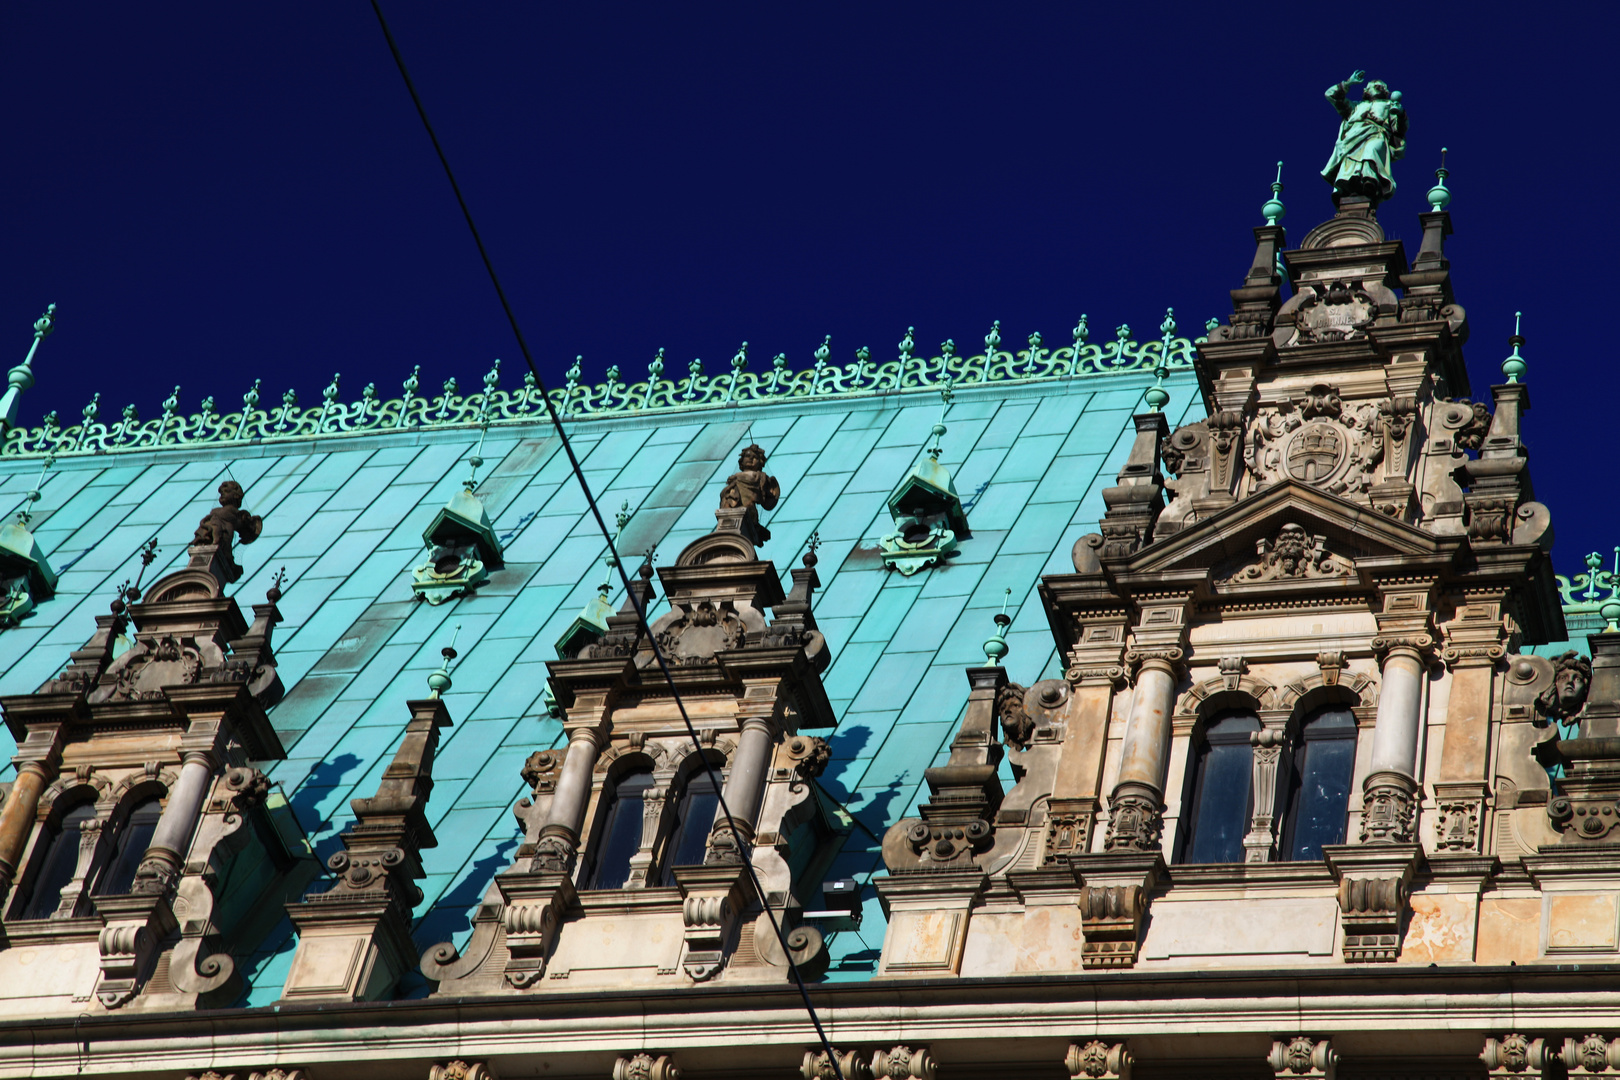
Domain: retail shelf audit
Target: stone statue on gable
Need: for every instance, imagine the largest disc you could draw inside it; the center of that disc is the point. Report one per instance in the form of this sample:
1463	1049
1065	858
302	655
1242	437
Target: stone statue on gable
1372	137
224	522
750	489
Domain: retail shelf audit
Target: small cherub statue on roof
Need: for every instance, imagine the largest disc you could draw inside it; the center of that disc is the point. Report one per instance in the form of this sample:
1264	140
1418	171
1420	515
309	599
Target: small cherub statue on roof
225	521
751	489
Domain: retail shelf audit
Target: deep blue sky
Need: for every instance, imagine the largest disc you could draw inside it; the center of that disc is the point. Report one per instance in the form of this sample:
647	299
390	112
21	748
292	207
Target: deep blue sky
214	192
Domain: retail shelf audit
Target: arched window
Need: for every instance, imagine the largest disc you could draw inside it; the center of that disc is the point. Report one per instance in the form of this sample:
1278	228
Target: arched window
1221	776
694	817
133	840
620	837
1319	795
56	861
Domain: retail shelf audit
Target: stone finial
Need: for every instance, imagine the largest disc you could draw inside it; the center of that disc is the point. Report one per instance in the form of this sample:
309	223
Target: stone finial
747	491
644	1066
211	544
1098	1060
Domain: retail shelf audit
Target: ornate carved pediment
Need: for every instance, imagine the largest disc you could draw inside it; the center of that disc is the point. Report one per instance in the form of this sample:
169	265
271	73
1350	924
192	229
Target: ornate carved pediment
1230	541
1292	555
1319	441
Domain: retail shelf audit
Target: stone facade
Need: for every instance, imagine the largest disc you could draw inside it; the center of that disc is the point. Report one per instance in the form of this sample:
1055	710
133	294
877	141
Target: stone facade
1282	770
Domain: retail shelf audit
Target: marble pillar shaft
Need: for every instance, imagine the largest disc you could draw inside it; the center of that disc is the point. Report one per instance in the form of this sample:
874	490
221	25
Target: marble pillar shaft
1400	714
1147	730
172	836
17	817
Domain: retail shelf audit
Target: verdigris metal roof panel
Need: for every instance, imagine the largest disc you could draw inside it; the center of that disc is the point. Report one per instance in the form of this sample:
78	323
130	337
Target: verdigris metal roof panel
345	520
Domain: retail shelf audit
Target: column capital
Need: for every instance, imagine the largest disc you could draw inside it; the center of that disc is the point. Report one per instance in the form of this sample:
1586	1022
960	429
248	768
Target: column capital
1166	658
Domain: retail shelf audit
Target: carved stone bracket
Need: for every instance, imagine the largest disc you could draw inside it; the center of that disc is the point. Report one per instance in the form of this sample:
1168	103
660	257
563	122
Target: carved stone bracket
462	1070
903	1063
128	943
817	1065
1135	819
1515	1055
1098	1060
711	899
1374	890
256	1074
646	1066
1114	894
1593	1056
535	906
1303	1058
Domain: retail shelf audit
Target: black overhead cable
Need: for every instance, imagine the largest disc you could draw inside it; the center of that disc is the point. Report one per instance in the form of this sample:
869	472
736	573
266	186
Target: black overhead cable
641	614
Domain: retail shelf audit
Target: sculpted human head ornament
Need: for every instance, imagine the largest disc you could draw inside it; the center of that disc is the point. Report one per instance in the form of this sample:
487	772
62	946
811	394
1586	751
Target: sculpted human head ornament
1566	697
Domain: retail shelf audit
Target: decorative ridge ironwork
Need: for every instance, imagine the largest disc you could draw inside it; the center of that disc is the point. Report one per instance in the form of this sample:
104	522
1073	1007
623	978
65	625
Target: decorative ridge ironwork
1591	590
655	395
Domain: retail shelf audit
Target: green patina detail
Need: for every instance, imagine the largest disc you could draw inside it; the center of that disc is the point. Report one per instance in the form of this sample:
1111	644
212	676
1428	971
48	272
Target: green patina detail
656	395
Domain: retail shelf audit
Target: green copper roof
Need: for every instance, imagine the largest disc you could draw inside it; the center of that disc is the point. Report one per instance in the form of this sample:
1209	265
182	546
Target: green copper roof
345	517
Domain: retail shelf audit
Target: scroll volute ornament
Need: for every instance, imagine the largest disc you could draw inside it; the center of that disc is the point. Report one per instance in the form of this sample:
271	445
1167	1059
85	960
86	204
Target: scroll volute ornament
903	1063
462	1070
818	1065
1592	1056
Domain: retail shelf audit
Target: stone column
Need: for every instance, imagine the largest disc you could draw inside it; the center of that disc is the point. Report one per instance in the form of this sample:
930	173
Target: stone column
559	837
1096	672
37	761
17	818
171	838
1137	804
1389	791
744	791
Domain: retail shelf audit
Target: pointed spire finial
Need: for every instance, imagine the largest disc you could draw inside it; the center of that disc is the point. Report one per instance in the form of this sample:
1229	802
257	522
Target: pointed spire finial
937	433
1514	366
1439	196
1157	397
1274	210
439	681
995	646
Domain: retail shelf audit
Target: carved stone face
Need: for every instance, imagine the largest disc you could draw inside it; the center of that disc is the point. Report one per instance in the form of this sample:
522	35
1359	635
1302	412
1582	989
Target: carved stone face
1570	685
230	494
1290	549
752	459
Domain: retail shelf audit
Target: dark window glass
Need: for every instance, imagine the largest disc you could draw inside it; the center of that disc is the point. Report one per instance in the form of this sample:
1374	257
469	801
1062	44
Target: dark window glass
689	840
56	865
1320	797
621	832
133	840
1220	796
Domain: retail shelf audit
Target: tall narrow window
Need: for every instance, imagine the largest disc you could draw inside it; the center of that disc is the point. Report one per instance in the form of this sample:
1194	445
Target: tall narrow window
620	837
1319	796
57	862
1220	798
689	840
133	840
